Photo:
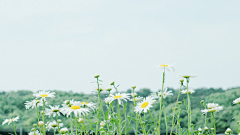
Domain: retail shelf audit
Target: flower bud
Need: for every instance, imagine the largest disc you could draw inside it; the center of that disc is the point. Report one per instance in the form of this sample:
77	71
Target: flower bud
108	88
199	129
96	75
212	129
205	128
40	123
181	80
67	102
228	130
63	130
35	125
133	87
80	120
134	94
32	129
42	112
202	101
238	122
179	102
142	122
59	121
102	124
112	83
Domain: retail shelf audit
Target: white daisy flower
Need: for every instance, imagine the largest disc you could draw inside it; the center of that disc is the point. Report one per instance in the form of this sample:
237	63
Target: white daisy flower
53	110
199	129
212	107
236	101
136	98
187	76
145	105
190	91
165	93
43	94
75	108
89	104
53	125
32	133
63	130
9	121
34	103
168	67
108	100
119	97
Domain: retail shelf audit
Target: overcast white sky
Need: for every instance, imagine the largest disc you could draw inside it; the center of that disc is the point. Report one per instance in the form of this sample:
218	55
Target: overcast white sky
60	44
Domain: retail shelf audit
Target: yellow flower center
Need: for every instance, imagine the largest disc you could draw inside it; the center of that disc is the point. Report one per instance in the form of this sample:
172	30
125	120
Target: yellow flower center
144	105
135	99
212	110
44	95
84	103
164	65
75	107
54	125
117	96
56	110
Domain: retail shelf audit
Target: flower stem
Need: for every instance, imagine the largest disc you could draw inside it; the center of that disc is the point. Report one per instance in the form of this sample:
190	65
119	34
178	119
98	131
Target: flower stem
161	100
44	133
153	121
71	123
58	123
14	129
173	123
189	109
119	120
214	123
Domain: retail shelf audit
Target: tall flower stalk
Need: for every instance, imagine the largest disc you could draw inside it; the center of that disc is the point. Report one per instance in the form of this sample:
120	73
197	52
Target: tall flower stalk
175	110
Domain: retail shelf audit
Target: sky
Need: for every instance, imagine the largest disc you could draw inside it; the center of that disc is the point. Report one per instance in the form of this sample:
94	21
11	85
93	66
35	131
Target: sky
60	45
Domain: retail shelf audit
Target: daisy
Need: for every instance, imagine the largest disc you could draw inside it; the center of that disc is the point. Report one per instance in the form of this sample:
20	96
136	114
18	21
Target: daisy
145	105
53	110
89	104
43	94
53	125
165	93
108	100
32	133
75	108
163	67
119	97
136	98
190	91
34	103
212	107
9	121
63	130
236	101
187	76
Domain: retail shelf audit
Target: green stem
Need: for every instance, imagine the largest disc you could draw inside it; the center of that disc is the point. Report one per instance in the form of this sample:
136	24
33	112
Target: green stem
165	117
71	123
173	123
54	131
37	113
44	132
119	120
153	121
161	100
135	106
14	129
58	123
125	122
214	123
189	109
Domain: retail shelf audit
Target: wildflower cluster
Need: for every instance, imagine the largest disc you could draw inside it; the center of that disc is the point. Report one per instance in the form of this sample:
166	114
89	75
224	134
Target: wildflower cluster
108	115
